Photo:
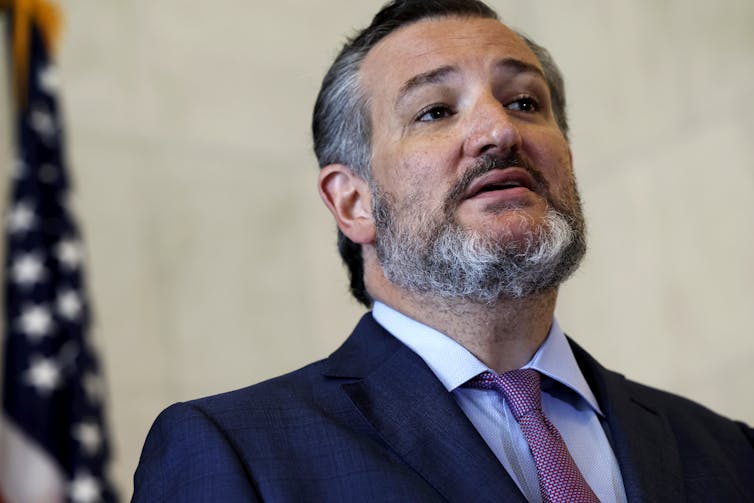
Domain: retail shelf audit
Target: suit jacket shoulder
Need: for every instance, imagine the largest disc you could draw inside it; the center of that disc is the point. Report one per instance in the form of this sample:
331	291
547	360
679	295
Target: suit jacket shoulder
370	423
187	457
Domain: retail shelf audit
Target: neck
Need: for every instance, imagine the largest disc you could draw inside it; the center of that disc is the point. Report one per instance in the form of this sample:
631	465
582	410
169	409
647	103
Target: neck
504	335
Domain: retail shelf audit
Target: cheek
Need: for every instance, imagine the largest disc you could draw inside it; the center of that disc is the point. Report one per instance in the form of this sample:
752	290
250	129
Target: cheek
550	154
562	171
421	172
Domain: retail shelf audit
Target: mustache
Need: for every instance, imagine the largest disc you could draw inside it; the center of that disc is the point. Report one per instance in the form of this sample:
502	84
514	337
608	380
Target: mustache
484	165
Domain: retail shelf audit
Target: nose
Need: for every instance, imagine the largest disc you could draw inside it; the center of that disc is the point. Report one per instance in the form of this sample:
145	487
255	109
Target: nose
490	129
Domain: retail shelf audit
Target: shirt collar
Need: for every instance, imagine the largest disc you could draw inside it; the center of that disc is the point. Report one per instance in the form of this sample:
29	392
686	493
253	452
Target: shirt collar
453	364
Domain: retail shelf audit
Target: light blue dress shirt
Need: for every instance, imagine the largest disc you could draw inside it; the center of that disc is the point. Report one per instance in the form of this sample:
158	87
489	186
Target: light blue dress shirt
567	401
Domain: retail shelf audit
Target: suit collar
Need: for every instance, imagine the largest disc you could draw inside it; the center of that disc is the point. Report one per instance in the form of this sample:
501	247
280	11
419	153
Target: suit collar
640	435
417	417
368	346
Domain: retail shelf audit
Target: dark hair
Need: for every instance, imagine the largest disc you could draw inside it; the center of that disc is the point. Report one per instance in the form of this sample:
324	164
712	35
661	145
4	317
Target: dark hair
341	126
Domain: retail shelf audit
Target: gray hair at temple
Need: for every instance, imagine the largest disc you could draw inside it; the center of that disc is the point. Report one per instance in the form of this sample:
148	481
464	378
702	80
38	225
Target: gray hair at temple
341	125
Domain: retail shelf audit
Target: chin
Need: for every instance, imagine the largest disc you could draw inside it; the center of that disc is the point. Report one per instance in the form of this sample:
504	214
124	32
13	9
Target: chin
510	222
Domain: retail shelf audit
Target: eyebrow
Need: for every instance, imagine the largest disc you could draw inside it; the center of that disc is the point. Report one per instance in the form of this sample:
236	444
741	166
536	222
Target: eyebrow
441	74
519	66
436	76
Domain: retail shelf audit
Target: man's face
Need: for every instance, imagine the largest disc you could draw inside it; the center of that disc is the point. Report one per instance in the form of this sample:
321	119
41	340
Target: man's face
464	138
447	91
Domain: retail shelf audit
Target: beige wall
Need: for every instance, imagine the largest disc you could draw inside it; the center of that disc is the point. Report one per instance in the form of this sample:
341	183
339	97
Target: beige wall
212	261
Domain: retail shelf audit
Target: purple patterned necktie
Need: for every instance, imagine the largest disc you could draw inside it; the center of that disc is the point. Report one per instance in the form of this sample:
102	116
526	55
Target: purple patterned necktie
560	480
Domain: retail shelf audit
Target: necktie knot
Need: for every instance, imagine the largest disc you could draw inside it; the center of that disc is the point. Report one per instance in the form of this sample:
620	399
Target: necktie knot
520	389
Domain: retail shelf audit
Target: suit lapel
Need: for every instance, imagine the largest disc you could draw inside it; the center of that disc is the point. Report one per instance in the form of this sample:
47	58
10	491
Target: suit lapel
642	440
416	416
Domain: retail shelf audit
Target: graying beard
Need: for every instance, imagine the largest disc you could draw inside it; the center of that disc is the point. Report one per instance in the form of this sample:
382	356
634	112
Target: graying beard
457	264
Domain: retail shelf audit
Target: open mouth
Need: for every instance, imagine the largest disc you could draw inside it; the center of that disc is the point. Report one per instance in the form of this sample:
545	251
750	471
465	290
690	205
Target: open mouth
500	186
501	180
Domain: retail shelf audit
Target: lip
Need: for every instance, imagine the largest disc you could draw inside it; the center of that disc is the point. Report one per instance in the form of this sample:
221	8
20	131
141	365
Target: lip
495	182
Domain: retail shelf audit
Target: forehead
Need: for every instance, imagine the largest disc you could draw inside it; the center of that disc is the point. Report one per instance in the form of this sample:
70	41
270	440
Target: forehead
466	42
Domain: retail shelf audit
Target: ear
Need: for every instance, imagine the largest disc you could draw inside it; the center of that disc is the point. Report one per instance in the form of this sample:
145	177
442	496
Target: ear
348	197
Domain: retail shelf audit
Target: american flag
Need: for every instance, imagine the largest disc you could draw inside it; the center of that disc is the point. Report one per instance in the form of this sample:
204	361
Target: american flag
54	443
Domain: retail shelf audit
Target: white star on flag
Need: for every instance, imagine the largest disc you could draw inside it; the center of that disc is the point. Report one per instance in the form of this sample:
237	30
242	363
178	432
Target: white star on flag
89	435
21	218
36	321
43	122
28	269
84	488
69	305
43	374
49	79
69	253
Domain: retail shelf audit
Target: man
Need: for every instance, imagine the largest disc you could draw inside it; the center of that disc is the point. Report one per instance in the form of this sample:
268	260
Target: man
442	138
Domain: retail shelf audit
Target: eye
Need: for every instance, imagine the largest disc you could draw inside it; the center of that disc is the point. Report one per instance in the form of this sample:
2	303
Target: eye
524	104
434	112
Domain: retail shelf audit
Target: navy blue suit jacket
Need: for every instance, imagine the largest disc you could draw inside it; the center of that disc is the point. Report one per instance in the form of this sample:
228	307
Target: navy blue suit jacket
372	423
